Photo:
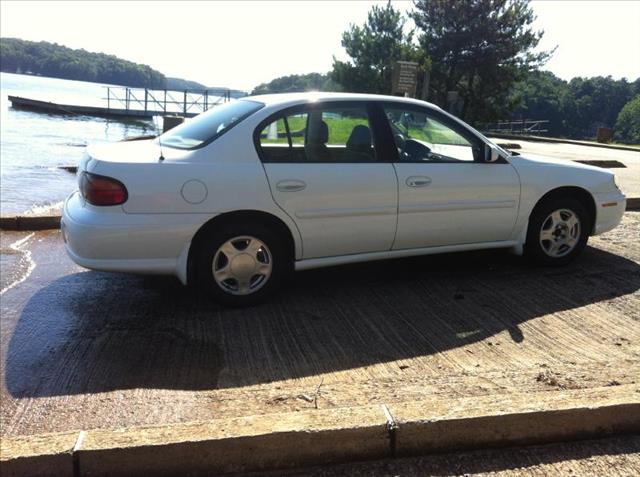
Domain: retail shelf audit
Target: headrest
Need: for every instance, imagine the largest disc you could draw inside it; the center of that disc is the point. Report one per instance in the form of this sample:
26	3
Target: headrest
320	135
360	138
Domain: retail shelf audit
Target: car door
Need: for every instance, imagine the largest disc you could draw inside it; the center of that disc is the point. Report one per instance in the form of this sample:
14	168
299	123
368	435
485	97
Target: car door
327	173
447	193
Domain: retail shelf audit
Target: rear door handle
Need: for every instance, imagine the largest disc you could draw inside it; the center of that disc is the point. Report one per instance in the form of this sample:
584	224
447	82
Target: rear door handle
291	185
418	181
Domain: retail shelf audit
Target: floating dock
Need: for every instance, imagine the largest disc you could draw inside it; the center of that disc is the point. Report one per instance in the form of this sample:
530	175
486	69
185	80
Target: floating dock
131	103
55	108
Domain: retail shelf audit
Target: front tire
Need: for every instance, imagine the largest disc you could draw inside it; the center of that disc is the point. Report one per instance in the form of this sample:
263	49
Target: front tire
241	265
558	231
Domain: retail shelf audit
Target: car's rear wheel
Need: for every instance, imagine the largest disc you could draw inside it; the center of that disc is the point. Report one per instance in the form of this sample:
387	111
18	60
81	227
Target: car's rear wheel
241	265
558	231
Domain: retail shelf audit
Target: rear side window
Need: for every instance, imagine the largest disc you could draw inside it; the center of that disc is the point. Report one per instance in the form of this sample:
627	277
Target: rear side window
207	126
320	134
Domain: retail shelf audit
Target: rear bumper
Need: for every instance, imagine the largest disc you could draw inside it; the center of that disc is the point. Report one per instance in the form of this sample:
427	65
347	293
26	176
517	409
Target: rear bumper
107	238
610	208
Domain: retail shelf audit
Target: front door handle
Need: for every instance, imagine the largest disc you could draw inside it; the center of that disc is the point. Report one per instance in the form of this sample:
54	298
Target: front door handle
291	185
418	181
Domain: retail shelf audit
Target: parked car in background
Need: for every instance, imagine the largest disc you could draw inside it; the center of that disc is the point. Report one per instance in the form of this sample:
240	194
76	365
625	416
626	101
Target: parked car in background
243	194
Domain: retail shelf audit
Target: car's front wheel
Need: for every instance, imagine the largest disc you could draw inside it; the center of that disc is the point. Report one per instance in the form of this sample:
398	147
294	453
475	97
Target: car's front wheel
240	265
558	231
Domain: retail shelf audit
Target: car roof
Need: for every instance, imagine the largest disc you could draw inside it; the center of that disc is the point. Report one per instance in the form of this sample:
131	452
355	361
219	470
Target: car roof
292	99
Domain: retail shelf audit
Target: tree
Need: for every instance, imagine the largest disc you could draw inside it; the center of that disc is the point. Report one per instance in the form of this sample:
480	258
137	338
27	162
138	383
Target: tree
373	49
595	102
628	124
478	48
575	108
57	61
541	95
297	83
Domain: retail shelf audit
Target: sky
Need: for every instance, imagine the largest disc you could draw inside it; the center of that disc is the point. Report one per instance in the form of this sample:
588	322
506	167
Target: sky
241	44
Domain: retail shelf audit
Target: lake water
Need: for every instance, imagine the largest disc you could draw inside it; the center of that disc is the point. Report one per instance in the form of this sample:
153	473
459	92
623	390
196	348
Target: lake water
34	145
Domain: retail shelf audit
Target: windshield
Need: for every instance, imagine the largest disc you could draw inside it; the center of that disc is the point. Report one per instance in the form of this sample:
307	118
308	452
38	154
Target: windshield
205	127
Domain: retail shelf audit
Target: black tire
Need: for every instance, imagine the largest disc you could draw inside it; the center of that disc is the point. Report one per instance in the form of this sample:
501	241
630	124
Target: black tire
533	248
209	244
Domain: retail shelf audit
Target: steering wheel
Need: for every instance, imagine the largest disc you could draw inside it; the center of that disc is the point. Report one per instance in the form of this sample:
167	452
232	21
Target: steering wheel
413	150
399	140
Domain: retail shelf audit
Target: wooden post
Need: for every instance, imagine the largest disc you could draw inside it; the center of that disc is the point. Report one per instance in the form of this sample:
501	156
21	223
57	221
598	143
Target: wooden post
146	93
165	100
108	98
170	122
425	85
206	99
185	103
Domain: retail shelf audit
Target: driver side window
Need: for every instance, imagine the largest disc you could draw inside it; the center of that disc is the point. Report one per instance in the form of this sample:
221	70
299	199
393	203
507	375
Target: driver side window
420	137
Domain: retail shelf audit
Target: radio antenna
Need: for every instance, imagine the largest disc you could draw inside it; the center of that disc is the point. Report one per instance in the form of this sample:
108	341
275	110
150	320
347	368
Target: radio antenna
161	158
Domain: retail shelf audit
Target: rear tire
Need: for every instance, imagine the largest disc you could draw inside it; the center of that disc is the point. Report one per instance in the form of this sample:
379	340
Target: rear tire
241	265
558	231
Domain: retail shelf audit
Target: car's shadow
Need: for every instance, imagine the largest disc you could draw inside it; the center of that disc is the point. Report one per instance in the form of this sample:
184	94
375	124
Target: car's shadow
92	332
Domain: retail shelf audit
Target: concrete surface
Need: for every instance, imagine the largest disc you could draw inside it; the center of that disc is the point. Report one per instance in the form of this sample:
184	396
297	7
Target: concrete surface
293	440
505	419
41	455
595	458
238	444
89	350
577	142
628	178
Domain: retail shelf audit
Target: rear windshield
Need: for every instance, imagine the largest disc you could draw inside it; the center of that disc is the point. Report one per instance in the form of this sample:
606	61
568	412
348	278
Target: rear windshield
208	126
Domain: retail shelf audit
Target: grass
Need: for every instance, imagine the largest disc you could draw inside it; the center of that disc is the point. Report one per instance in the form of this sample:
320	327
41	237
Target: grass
436	133
341	128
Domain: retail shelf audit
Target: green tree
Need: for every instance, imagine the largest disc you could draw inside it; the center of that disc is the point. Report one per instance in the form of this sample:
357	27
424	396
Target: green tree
57	61
297	83
373	48
541	95
594	102
627	127
478	48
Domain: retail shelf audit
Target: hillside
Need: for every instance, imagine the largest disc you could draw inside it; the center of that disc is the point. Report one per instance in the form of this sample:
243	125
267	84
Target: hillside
57	61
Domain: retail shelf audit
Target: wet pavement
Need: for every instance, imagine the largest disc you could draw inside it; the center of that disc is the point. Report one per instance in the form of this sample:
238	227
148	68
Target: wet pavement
83	349
15	261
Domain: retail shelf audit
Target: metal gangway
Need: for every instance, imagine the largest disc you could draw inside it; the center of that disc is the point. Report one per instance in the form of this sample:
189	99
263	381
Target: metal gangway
162	102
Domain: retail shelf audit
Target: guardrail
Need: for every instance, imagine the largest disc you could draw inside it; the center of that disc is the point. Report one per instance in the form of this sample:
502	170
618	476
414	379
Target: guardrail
518	126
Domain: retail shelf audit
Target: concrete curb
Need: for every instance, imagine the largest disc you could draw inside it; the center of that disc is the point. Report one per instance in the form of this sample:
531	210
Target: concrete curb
27	223
289	440
633	204
560	141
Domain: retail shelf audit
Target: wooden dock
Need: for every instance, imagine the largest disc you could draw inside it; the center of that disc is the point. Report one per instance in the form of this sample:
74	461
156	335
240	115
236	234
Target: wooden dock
131	103
70	109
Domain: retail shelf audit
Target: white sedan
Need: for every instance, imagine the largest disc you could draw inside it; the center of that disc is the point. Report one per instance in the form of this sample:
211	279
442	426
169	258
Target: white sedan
238	197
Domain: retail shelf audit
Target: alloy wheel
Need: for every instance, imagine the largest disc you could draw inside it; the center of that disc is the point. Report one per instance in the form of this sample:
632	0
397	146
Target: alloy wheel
242	265
560	233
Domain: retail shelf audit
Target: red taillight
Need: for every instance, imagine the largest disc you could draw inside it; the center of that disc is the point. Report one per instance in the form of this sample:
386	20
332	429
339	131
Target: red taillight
101	190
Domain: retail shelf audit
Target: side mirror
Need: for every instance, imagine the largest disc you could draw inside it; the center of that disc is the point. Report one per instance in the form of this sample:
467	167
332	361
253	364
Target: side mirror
490	153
